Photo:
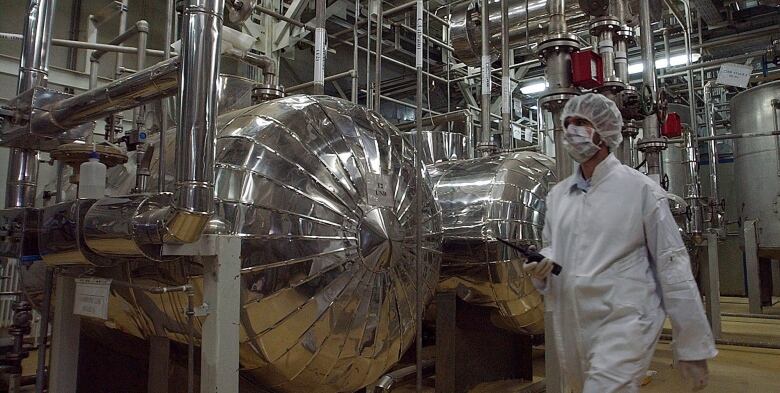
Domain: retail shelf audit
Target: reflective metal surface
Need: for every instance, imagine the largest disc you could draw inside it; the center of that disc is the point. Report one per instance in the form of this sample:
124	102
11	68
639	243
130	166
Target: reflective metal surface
502	195
233	92
322	192
675	165
757	161
440	146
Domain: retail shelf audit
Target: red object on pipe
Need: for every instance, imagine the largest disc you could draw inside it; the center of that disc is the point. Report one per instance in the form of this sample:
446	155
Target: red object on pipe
587	69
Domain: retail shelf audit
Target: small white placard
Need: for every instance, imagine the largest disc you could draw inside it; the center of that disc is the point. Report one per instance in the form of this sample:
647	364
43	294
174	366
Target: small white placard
523	133
379	189
91	299
731	74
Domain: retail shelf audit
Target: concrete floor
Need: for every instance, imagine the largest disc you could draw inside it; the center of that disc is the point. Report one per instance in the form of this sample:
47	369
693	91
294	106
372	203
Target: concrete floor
735	369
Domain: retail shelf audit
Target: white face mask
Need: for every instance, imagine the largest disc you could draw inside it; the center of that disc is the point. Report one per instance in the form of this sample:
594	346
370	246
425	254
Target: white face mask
578	142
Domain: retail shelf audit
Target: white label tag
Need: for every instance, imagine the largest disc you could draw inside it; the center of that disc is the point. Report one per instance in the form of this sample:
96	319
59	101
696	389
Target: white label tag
506	91
731	74
379	189
485	69
91	298
419	36
594	69
320	54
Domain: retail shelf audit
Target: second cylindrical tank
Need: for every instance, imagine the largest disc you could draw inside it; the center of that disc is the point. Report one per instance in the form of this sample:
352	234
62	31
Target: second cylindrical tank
496	196
757	162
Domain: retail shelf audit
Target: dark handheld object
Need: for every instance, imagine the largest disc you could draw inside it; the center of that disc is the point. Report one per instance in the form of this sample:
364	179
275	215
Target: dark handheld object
531	255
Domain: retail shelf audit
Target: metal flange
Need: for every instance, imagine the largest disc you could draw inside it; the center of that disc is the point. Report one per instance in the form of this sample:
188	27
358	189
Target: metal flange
604	23
557	99
558	42
265	92
652	145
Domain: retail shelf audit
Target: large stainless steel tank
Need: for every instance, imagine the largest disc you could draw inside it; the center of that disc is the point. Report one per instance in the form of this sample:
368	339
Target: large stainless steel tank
321	192
502	196
756	165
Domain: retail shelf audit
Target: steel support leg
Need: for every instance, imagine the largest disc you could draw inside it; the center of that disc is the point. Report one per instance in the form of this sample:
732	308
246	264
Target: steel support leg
552	368
751	268
221	296
712	284
64	338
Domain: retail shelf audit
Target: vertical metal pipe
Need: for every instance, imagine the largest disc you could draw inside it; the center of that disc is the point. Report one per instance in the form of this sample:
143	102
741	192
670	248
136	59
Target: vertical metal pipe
688	50
650	124
607	52
122	27
378	59
355	53
369	87
506	87
141	174
33	71
43	331
693	191
196	131
320	47
169	14
418	169
709	121
485	144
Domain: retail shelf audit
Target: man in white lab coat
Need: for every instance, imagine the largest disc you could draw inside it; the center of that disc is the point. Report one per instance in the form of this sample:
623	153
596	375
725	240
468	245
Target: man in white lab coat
625	267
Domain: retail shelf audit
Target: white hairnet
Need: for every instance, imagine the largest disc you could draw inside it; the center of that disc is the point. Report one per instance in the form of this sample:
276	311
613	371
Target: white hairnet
599	111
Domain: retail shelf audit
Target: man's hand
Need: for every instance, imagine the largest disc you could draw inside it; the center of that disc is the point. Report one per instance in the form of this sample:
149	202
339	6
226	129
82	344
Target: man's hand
539	270
694	371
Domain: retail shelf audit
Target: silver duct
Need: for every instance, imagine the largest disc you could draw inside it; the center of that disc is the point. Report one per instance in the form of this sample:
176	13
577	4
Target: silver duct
485	144
693	188
33	71
193	196
709	118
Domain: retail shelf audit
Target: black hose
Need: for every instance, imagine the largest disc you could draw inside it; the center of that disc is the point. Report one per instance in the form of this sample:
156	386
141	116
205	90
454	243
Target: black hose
641	164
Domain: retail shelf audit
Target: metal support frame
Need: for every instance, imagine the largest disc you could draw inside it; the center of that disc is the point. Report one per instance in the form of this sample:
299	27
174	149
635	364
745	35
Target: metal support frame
64	338
221	257
711	282
751	267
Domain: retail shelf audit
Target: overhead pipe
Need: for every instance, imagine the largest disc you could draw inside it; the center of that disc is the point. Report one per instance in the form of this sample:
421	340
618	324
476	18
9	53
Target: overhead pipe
85	45
302	86
33	71
467	35
506	83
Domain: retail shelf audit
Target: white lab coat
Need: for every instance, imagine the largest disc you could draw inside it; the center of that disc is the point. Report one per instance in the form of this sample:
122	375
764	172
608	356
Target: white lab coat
625	268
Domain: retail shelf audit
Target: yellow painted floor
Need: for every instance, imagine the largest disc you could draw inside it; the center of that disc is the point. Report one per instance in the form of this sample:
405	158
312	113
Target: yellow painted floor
735	370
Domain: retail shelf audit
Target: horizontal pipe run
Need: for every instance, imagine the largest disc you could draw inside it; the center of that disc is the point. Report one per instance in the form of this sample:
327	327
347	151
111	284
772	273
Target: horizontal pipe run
89	45
459	115
153	83
728	136
427	37
154	290
350	73
736	343
139	27
406	104
680	71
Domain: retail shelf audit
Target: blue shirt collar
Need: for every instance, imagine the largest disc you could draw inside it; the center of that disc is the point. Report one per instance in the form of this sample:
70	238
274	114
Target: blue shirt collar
601	171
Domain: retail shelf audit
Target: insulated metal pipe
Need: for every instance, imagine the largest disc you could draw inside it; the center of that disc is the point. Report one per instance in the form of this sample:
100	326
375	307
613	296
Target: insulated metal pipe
193	196
506	87
320	47
158	81
355	54
43	331
122	26
33	71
